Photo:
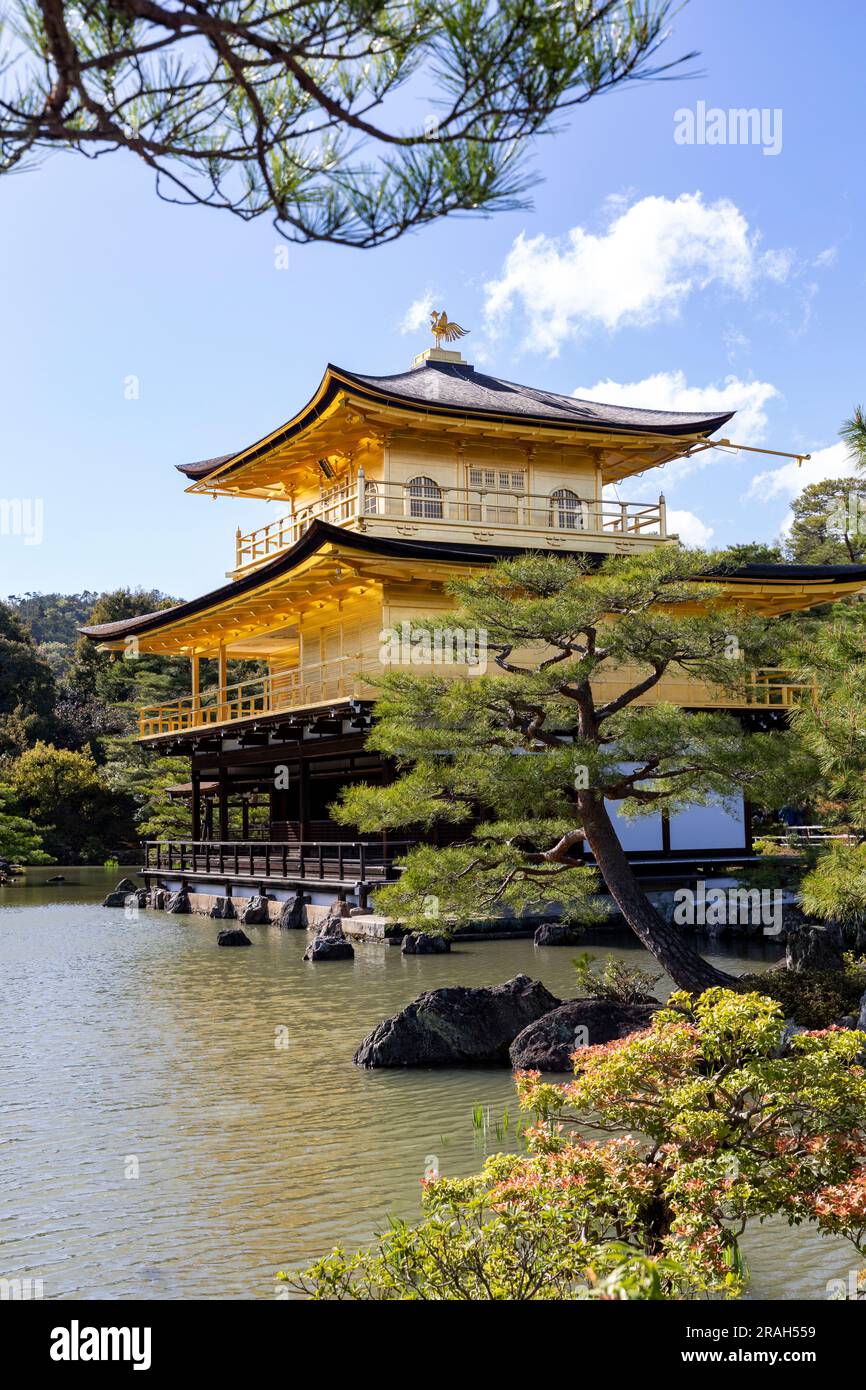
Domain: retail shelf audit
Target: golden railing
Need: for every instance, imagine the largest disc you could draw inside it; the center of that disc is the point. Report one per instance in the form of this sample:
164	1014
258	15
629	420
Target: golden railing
440	504
345	678
287	690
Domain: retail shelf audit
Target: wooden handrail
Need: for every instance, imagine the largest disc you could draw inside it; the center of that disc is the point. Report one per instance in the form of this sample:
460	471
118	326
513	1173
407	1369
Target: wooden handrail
479	505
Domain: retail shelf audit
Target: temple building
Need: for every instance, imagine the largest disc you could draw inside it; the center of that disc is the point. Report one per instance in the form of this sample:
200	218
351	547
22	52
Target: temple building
387	486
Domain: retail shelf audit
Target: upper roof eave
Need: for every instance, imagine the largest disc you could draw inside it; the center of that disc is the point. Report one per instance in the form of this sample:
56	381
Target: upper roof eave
467	394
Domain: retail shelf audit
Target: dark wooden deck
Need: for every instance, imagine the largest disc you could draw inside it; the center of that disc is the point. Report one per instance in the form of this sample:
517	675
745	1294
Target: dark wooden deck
336	863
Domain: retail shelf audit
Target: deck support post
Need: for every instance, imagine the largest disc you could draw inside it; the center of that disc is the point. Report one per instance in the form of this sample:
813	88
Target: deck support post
303	798
222	680
223	798
195	804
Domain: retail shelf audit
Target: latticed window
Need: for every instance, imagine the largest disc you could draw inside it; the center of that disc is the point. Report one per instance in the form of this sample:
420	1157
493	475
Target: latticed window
371	498
425	499
566	510
501	478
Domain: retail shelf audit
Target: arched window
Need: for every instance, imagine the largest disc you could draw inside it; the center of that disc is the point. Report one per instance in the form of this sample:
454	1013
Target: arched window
425	499
566	510
371	498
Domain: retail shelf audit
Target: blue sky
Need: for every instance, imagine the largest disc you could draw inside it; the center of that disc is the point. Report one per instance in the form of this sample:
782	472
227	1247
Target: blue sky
649	271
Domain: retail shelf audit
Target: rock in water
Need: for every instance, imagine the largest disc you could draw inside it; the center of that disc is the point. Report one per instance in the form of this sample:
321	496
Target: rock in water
293	913
330	943
223	909
424	943
118	897
458	1026
256	912
557	934
811	947
233	936
178	902
547	1044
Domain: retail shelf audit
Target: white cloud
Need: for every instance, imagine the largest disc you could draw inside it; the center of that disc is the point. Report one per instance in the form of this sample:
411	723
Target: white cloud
640	269
788	480
690	529
417	316
671	391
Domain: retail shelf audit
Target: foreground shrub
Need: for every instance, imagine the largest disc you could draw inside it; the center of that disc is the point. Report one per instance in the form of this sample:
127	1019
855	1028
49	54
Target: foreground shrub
813	998
737	1121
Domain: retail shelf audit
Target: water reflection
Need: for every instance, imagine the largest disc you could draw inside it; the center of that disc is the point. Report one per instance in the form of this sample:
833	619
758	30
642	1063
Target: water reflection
138	1047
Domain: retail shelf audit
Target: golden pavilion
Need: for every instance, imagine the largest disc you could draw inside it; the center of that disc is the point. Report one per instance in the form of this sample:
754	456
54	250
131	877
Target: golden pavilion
386	486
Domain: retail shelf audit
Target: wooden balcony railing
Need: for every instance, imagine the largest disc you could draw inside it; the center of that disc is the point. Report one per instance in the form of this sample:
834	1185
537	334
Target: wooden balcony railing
766	688
287	690
425	501
335	861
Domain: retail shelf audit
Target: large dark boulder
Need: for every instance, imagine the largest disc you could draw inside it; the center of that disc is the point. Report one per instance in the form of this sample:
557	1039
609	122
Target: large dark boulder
424	943
293	913
458	1026
255	912
223	909
557	934
547	1044
330	943
233	936
178	902
810	947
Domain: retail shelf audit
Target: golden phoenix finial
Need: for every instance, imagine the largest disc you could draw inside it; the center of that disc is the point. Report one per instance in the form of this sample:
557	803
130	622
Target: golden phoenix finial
443	328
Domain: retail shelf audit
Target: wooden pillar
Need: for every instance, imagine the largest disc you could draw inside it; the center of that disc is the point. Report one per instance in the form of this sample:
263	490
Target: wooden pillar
223	798
195	804
195	687
303	798
245	818
222	679
663	515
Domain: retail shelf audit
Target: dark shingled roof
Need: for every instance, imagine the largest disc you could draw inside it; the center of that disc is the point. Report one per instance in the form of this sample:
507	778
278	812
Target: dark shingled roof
453	388
459	386
320	532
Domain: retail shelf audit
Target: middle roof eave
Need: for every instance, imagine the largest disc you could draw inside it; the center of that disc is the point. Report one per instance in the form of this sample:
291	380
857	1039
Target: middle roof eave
320	534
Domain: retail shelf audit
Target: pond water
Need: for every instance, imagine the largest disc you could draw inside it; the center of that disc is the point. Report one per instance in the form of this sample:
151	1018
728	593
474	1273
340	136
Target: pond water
156	1142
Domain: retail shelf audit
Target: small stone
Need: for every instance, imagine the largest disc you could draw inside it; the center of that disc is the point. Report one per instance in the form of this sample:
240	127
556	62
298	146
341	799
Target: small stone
811	947
223	909
233	936
424	943
557	934
330	943
255	913
293	913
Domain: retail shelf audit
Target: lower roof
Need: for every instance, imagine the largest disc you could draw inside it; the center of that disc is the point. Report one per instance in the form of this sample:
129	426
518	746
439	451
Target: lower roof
320	533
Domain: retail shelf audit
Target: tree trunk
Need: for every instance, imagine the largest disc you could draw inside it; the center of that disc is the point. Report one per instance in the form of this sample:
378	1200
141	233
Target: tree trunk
686	968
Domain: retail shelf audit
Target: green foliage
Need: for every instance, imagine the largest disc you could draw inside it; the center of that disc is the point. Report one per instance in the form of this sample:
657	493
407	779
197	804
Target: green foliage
616	981
812	998
538	751
350	122
833	727
27	686
718	1117
835	889
64	793
827	522
752	553
20	838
